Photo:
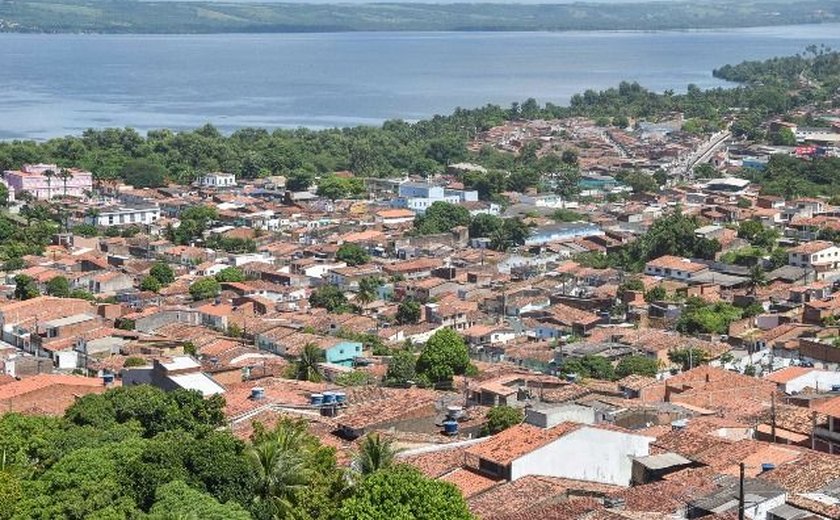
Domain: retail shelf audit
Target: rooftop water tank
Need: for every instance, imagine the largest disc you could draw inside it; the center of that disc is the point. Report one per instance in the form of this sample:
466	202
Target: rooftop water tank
454	412
258	393
316	399
835	388
108	379
329	397
450	427
767	466
679	424
340	397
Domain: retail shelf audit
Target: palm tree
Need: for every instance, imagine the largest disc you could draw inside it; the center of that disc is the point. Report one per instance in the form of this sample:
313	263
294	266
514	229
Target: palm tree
280	471
367	290
306	367
64	175
375	454
757	279
49	174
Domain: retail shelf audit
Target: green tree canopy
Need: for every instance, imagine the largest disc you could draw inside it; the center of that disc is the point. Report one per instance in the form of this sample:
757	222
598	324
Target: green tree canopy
445	355
25	287
163	273
500	418
205	288
441	217
401	368
230	274
589	366
408	312
143	173
178	500
640	365
352	254
329	297
403	493
58	286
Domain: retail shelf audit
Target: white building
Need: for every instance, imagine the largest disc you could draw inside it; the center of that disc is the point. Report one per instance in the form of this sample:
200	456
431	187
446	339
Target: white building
217	180
123	216
568	450
820	256
418	196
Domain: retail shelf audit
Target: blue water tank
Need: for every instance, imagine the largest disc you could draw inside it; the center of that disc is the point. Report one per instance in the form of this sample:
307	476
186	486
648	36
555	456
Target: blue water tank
108	379
258	393
340	397
329	397
316	399
767	466
450	427
835	388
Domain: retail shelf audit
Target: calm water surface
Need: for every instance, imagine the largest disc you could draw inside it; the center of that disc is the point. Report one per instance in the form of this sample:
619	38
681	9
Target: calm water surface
62	84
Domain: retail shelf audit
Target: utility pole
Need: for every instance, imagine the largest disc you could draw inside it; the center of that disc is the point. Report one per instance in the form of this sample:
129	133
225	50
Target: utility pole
741	493
773	416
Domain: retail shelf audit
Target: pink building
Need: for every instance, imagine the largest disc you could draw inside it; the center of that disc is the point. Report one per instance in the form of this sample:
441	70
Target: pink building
34	179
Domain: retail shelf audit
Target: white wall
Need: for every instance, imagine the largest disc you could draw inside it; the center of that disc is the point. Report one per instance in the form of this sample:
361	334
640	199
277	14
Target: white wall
588	453
821	379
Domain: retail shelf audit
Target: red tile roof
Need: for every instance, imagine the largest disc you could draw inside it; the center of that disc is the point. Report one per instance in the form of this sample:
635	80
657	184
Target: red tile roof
507	446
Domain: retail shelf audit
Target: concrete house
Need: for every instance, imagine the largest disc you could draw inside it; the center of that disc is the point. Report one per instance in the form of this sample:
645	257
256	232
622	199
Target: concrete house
568	450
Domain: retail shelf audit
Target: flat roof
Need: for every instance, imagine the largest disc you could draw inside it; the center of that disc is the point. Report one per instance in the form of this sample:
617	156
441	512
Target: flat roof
69	320
181	363
198	381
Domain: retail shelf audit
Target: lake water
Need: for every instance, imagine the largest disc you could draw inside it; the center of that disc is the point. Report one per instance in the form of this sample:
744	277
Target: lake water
62	84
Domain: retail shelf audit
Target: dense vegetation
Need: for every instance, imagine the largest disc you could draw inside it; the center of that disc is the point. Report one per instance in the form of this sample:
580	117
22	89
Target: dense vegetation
141	453
210	17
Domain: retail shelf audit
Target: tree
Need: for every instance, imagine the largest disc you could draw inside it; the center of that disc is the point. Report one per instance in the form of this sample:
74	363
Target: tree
230	274
689	357
408	312
656	293
329	297
567	215
4	195
500	418
150	409
143	173
631	284
375	454
484	225
784	137
58	286
151	284
441	217
25	287
402	492
205	288
445	355
299	181
368	287
640	365
163	273
307	364
401	368
513	233
352	254
699	317
758	279
178	500
589	366
279	465
334	187
640	182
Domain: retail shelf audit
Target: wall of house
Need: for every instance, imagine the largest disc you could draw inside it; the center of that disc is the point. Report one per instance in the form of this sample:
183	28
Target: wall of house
554	416
344	353
589	454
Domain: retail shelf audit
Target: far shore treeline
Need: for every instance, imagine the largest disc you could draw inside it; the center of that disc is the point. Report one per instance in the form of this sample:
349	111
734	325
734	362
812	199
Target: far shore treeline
185	17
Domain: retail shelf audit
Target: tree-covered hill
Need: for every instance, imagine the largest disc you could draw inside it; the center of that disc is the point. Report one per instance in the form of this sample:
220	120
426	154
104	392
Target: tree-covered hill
215	17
